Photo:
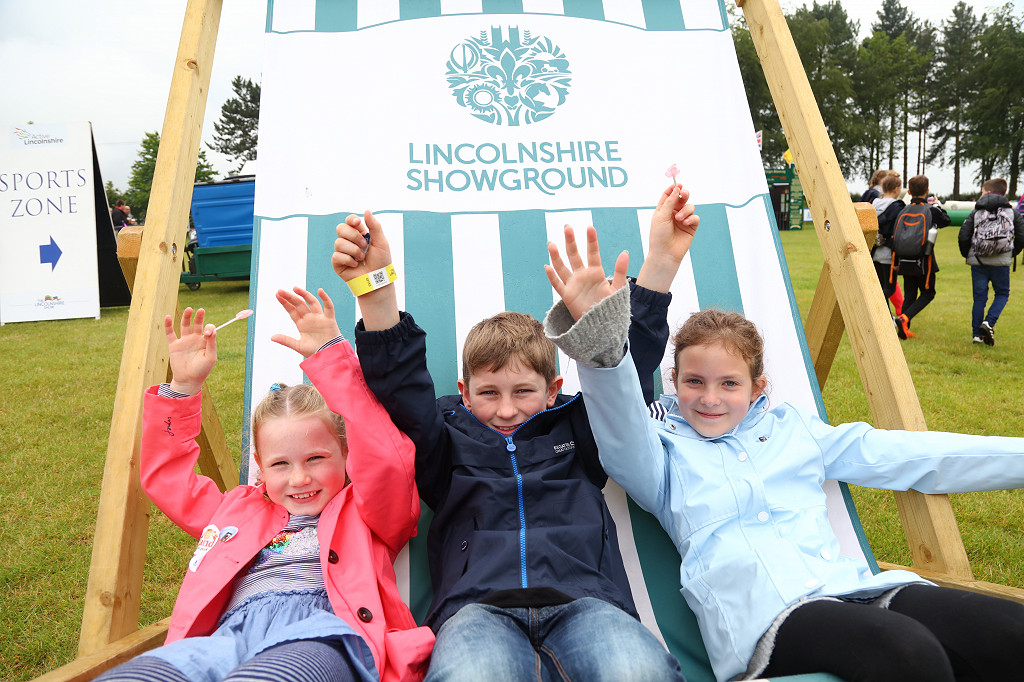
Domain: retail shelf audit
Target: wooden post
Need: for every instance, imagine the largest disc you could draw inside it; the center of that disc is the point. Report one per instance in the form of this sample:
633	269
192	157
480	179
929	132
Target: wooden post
928	520
111	608
215	460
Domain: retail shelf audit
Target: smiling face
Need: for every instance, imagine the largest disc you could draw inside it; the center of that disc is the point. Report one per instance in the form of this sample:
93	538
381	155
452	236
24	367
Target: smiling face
302	463
714	388
505	398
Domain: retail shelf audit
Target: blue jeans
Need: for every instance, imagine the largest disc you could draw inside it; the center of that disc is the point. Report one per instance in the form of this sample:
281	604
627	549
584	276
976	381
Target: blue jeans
981	275
586	639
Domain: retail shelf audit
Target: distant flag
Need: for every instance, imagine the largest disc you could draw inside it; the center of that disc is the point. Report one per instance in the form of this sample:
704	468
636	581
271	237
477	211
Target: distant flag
787	156
759	140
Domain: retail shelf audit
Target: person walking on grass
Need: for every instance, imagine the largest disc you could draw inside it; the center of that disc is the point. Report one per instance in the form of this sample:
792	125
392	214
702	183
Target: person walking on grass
991	236
913	245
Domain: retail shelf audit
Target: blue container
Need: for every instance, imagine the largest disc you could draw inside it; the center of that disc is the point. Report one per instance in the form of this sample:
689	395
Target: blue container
223	212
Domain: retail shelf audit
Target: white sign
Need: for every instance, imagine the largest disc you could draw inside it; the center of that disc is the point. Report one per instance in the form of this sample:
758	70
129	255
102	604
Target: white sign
48	267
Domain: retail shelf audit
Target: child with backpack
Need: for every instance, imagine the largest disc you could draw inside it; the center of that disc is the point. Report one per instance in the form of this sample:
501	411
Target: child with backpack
913	243
887	208
737	485
991	236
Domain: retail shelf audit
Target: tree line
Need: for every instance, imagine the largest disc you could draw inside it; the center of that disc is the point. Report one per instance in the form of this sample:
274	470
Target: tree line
953	90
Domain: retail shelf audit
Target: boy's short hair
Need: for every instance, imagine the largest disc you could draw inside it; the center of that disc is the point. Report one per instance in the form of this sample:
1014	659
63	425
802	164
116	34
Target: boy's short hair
918	185
995	186
891	183
509	337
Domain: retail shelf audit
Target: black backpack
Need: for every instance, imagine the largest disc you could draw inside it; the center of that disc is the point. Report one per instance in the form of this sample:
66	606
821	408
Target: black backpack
910	233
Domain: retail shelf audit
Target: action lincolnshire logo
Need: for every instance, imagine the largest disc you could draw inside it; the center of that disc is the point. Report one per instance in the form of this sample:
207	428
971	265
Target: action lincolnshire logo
510	81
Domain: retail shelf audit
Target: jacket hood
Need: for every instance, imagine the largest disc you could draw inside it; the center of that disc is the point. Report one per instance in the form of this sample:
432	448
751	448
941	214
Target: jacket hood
882	203
992	201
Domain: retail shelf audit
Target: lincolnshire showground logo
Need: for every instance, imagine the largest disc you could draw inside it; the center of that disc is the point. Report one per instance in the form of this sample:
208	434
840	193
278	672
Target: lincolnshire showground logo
509	81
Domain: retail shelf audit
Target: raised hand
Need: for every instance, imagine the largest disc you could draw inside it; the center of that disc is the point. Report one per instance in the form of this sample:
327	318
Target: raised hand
193	354
673	228
581	286
315	322
351	257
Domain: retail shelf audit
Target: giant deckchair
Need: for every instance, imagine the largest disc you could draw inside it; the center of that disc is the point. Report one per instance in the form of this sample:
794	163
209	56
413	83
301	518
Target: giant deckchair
439	244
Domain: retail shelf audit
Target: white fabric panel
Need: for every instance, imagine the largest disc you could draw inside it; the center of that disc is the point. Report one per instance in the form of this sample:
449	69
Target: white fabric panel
763	287
699	14
294	15
625	12
477	270
399	53
462	6
615	497
287	240
544	6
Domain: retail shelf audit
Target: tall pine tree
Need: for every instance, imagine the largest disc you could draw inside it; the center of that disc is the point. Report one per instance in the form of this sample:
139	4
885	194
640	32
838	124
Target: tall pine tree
236	132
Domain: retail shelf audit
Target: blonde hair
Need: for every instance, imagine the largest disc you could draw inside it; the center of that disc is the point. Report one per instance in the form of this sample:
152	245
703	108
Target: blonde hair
301	400
736	333
891	183
507	338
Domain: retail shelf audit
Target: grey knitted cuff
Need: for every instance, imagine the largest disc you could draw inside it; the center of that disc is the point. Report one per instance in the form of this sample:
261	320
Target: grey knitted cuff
598	339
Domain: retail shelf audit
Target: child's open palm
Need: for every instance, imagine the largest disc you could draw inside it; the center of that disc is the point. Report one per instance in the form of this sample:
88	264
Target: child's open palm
315	322
582	286
193	354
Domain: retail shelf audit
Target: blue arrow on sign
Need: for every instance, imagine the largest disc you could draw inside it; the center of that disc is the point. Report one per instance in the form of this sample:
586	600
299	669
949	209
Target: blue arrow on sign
49	253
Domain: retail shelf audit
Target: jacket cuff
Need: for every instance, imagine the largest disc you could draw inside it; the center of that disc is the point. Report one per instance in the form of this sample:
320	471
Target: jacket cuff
598	338
654	300
398	334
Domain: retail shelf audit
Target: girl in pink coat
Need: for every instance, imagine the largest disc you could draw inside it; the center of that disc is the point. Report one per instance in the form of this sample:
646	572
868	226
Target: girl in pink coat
292	578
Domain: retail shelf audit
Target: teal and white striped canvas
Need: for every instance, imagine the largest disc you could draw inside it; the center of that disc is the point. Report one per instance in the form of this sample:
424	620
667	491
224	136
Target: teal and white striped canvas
476	129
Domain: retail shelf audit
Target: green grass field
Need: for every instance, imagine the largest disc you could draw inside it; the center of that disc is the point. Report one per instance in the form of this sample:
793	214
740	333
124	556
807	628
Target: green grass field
59	380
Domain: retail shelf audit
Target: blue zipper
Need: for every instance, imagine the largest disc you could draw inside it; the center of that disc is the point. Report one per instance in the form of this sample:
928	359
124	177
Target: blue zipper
511	447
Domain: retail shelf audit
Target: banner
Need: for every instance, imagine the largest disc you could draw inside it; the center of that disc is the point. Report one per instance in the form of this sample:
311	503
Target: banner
48	258
475	130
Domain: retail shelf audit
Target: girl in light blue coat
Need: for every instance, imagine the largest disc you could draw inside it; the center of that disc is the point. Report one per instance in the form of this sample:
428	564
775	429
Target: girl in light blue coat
738	487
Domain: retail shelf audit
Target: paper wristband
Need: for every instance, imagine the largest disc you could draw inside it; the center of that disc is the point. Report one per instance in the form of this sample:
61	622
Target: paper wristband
371	281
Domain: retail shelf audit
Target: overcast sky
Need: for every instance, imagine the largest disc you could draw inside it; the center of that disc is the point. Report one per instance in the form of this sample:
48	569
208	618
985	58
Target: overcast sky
110	62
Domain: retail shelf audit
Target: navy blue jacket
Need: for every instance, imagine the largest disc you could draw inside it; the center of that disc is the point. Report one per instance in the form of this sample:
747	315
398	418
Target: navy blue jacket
520	521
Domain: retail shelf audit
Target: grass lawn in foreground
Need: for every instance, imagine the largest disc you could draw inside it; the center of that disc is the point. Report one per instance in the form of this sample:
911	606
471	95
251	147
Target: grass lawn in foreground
59	380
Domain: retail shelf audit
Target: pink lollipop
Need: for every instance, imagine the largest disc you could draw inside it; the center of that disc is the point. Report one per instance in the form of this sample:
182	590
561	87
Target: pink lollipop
672	172
242	314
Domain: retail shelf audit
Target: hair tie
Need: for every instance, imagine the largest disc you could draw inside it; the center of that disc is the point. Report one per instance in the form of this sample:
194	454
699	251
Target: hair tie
275	387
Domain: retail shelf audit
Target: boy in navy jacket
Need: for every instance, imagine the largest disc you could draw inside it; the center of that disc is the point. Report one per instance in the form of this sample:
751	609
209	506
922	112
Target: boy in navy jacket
527	576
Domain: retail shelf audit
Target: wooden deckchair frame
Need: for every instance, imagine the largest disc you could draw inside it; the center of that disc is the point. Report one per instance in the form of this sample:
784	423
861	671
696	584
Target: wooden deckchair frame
847	297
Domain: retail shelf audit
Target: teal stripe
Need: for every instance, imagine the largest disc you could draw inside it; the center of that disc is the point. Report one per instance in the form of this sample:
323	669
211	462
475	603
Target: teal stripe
250	341
320	273
420	591
663	15
584	9
524	254
503	6
336	15
430	292
270	20
714	265
618	230
659	562
418	9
